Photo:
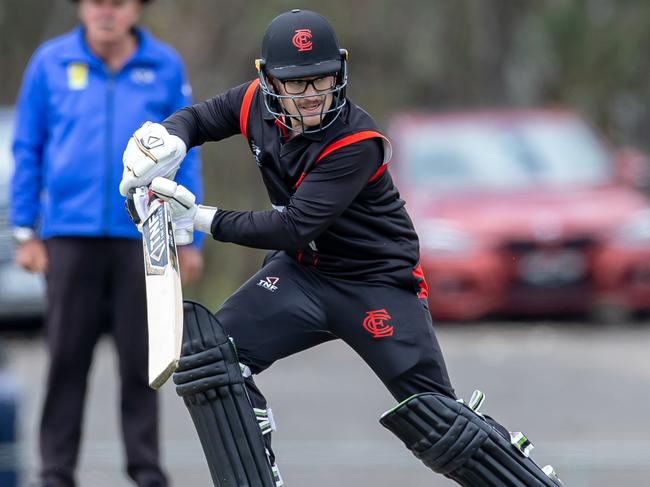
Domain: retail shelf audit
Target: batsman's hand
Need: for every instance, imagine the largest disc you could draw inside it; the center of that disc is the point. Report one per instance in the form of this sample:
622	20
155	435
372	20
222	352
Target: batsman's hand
151	152
182	203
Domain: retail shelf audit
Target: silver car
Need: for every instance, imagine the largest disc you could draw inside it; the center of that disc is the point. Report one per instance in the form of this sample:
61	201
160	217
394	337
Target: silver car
22	294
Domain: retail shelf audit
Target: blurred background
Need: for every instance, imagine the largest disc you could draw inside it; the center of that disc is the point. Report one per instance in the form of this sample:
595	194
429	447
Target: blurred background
538	251
588	55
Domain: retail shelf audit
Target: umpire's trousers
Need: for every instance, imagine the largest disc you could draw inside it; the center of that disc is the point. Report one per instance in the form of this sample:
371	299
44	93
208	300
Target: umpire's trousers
96	285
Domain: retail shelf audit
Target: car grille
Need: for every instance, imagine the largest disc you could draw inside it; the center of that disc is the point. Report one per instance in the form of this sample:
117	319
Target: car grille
519	247
559	264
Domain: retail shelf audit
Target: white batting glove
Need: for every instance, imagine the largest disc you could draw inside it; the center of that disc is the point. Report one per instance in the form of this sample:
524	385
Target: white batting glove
151	152
186	214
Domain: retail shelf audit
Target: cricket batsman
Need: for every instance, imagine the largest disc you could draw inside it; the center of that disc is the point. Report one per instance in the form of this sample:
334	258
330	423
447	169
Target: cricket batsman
342	264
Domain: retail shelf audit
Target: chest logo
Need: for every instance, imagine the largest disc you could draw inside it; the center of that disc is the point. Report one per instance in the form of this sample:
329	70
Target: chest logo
143	76
375	323
269	283
77	76
256	152
302	40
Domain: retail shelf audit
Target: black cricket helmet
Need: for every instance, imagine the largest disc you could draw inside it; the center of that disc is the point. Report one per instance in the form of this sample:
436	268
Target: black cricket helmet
302	44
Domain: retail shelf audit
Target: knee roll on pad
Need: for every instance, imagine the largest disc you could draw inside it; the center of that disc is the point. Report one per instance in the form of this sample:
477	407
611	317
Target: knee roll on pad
210	381
451	439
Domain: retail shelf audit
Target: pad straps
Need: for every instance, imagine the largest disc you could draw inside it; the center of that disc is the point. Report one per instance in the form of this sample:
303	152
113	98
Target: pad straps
452	439
210	381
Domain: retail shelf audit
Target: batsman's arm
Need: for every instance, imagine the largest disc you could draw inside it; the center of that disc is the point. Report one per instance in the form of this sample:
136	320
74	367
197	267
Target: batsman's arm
210	120
158	149
325	193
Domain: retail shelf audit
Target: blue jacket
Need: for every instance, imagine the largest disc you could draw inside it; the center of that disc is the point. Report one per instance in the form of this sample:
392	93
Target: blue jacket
73	121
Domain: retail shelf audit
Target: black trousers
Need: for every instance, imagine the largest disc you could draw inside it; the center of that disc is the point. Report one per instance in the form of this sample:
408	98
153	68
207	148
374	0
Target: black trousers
96	285
286	308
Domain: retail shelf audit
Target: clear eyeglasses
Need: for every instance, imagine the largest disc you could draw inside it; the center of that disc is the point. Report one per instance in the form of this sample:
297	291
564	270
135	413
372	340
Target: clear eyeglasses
299	86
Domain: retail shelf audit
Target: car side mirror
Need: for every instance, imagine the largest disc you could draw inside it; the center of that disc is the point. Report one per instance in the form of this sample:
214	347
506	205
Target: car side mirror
632	168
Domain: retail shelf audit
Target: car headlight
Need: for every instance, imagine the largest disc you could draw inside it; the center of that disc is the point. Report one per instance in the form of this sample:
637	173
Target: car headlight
636	230
444	236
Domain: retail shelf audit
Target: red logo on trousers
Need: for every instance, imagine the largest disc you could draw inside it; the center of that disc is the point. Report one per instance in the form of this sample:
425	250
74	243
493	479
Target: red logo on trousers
302	39
374	323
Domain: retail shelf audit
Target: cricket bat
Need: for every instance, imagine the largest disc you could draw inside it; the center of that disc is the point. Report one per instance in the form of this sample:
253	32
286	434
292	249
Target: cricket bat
164	292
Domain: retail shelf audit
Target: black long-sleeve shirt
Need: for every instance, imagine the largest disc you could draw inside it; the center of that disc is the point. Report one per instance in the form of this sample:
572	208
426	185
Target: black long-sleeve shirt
335	207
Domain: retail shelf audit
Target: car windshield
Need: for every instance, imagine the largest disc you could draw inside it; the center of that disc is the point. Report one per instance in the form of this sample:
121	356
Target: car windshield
466	155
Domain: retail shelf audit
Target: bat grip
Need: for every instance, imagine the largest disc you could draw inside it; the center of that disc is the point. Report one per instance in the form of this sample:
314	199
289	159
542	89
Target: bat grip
129	202
137	202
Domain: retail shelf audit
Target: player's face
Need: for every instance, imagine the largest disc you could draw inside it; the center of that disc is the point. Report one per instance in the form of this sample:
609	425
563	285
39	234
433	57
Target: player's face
109	21
308	98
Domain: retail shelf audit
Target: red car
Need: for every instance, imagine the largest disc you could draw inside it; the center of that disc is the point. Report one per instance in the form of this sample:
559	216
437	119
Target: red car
525	213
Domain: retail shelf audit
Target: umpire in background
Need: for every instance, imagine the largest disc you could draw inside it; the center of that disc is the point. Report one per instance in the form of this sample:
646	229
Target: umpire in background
83	95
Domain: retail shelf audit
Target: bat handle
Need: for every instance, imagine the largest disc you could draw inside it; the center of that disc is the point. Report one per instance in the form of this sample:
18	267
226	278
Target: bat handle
137	204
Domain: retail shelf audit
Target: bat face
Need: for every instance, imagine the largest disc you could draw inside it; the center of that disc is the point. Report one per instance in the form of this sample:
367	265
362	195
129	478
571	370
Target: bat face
158	241
164	293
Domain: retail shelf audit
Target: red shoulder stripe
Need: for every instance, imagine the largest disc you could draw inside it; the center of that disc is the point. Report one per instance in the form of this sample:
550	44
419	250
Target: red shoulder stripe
347	140
246	106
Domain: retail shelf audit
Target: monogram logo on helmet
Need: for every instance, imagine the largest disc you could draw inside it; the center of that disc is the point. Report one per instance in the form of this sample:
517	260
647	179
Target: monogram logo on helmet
374	323
302	39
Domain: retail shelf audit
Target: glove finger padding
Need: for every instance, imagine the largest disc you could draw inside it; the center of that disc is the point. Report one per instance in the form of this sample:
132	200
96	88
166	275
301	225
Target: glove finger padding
151	152
172	192
182	203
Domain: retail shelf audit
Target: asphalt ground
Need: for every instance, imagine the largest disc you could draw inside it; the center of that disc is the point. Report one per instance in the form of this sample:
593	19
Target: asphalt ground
580	392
